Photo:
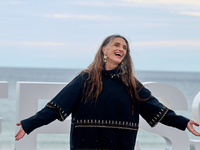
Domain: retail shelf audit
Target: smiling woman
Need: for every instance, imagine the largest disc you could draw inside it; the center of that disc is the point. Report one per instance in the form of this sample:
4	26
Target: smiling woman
105	101
114	52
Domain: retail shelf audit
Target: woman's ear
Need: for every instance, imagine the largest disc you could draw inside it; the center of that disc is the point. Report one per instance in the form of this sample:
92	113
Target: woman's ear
104	49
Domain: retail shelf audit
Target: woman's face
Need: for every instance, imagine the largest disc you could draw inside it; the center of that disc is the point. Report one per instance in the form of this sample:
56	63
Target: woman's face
115	51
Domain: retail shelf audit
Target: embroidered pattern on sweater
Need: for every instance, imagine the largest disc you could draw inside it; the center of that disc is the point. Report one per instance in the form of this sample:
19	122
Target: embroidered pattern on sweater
62	114
87	123
158	116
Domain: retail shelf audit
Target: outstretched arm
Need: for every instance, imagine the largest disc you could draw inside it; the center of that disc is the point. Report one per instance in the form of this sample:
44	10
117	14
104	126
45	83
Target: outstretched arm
191	128
43	117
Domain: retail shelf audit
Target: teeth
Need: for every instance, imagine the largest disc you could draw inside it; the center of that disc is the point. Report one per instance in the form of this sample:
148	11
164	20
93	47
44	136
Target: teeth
118	54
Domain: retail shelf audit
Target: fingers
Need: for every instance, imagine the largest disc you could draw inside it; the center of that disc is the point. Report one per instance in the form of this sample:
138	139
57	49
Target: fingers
191	128
196	124
18	124
195	132
20	134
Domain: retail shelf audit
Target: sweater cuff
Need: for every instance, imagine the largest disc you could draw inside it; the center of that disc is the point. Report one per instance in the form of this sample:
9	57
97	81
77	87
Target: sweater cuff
177	121
43	117
26	126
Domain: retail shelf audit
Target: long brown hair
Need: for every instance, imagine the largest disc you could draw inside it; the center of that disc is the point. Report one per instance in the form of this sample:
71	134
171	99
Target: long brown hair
95	69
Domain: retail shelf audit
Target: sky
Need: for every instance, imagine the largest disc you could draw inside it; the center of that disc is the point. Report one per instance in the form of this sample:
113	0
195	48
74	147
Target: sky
164	35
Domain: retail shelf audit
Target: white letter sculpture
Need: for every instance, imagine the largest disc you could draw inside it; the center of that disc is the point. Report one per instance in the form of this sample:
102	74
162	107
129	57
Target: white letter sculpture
30	93
28	96
195	144
3	93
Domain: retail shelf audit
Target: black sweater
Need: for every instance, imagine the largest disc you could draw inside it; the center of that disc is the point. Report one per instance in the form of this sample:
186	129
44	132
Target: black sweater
107	123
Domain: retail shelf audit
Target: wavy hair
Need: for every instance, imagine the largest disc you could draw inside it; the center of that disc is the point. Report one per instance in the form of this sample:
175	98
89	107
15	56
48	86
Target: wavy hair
95	69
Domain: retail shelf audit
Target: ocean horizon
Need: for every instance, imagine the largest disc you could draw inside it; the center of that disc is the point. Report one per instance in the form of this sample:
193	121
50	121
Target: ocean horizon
187	82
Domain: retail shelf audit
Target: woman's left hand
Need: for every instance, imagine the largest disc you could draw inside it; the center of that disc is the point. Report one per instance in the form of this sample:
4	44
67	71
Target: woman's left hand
20	133
191	128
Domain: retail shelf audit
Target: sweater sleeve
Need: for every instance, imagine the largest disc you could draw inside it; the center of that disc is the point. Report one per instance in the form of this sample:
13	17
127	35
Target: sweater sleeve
59	107
174	120
66	100
153	111
43	117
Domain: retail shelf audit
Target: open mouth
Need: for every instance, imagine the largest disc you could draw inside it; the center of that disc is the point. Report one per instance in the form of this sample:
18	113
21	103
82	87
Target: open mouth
118	54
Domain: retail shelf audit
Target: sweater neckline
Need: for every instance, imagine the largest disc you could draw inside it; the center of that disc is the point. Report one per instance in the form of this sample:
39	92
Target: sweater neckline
113	74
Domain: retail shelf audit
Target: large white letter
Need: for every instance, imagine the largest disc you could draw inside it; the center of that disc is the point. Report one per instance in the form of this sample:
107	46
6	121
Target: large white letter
173	99
3	93
195	144
28	96
196	108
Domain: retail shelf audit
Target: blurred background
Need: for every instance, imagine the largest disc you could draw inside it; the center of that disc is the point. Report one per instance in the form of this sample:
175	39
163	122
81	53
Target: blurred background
51	41
164	34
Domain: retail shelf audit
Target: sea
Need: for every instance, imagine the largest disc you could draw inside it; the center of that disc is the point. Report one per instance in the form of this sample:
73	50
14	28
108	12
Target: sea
187	82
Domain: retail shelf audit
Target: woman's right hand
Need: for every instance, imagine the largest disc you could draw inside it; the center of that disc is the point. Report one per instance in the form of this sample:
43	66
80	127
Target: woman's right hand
20	134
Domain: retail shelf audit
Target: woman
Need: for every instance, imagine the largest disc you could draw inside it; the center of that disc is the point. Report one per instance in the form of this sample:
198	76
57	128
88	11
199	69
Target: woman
105	101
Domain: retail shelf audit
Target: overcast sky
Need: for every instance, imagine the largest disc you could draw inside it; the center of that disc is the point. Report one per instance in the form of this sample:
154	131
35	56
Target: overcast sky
164	34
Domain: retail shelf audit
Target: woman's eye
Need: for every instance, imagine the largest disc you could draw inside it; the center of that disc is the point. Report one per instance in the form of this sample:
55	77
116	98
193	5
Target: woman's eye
124	47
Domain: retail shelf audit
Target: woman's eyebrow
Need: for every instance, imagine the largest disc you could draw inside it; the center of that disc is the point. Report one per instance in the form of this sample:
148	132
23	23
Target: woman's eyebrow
120	44
116	43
